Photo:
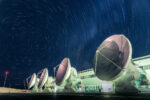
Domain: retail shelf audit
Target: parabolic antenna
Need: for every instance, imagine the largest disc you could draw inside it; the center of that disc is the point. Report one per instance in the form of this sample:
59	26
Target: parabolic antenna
67	76
112	57
43	78
32	81
113	62
63	71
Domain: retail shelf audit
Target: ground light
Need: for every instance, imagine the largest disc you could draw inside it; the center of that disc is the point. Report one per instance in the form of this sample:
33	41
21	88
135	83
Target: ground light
6	73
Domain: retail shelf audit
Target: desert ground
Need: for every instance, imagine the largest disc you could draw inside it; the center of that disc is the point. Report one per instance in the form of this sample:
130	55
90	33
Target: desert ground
12	90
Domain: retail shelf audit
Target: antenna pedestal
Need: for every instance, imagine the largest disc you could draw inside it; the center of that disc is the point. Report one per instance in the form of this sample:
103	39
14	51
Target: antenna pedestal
72	83
35	89
49	85
126	83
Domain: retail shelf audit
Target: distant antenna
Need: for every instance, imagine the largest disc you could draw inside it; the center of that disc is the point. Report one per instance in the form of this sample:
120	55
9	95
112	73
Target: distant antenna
43	78
32	81
67	76
63	72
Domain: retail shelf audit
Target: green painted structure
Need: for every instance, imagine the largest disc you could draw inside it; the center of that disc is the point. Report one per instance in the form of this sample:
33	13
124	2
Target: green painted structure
89	79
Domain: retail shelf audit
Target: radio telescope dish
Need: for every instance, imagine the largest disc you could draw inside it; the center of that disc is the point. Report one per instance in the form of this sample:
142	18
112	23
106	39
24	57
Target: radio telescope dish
112	57
43	78
32	81
63	71
67	76
113	62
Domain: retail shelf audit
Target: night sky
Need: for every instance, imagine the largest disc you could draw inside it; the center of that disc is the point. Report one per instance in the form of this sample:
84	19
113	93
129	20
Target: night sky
35	34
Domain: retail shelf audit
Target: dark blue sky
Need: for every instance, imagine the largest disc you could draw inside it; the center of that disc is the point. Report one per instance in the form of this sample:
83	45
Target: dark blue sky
39	33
